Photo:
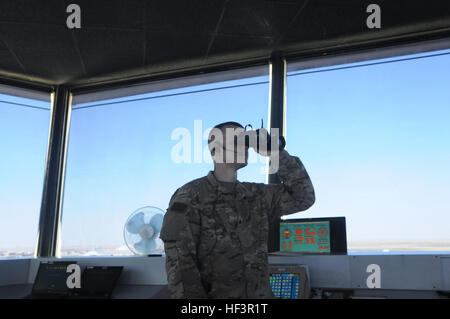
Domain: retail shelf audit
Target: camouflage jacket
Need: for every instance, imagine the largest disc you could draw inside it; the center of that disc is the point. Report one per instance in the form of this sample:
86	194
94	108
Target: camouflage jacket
215	237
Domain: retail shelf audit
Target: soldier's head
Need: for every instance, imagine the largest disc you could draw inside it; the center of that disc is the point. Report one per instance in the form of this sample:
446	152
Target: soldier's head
227	145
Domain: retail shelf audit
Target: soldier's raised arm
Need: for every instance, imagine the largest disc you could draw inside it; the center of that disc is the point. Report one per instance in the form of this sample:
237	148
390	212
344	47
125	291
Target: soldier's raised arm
295	193
180	233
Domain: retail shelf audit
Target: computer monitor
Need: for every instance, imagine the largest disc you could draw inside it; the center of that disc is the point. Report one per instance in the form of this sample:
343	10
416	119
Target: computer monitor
51	279
289	281
313	235
98	282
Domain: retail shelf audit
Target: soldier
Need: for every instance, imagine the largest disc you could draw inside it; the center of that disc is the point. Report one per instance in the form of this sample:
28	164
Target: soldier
215	230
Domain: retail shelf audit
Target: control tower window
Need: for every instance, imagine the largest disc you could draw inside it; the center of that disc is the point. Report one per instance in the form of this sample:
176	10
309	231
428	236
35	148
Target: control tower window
375	137
24	128
122	155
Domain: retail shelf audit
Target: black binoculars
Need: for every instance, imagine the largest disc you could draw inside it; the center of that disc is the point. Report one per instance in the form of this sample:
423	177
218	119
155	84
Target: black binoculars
281	141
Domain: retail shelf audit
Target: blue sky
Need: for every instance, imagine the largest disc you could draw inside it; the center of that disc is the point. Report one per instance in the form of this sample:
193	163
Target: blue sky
23	141
375	140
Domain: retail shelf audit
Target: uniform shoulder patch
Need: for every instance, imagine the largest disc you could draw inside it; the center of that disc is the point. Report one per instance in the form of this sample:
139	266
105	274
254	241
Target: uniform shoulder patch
181	199
173	225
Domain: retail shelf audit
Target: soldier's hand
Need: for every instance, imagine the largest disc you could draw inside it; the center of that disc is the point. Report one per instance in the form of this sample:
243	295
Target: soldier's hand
265	145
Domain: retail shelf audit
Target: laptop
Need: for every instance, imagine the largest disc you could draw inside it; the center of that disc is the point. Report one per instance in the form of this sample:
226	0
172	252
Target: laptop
51	281
98	282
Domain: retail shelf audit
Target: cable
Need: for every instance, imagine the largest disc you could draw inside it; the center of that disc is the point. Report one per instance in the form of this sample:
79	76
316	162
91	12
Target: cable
368	64
169	95
25	105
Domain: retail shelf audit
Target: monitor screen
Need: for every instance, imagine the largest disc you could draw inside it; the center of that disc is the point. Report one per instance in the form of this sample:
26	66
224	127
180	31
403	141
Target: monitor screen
51	278
97	280
285	286
305	237
289	281
313	235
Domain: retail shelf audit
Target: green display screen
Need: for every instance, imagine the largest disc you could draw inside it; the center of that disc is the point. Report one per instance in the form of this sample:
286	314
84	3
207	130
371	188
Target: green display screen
306	237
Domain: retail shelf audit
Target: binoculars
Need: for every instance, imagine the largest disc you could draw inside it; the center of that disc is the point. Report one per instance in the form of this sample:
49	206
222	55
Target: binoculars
251	138
281	142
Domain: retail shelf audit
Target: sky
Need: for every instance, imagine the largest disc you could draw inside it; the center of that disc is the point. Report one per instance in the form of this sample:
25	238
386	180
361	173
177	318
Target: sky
374	139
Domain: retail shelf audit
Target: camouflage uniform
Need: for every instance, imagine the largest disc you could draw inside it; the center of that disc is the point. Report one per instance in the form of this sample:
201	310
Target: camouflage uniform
215	233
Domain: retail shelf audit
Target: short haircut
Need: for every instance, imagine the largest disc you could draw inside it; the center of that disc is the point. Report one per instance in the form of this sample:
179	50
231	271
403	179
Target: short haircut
222	125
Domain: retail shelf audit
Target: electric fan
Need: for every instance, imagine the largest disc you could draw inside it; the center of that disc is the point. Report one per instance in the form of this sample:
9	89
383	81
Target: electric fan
141	231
